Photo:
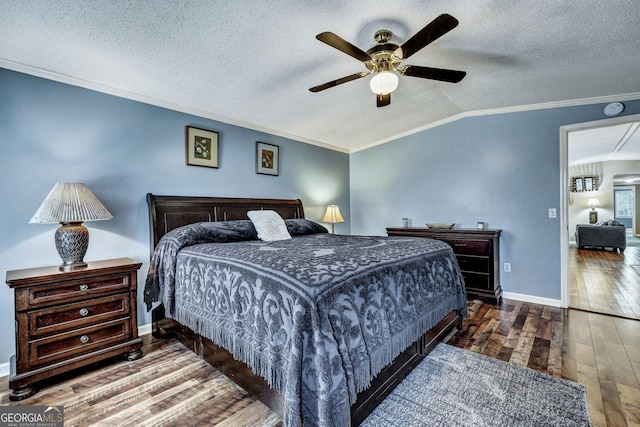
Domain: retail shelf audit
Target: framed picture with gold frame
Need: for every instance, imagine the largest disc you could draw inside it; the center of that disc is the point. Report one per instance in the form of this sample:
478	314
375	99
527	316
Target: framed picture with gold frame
584	183
201	147
267	159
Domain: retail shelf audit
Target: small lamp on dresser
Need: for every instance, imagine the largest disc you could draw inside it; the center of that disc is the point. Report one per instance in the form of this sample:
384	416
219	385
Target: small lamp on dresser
71	204
333	216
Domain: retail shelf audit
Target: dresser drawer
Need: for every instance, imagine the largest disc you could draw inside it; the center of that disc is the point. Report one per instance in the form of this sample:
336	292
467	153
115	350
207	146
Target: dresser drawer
477	281
73	316
61	293
474	263
73	343
470	247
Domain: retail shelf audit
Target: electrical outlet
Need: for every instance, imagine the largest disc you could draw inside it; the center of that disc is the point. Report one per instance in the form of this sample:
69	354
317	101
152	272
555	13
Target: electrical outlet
507	267
552	213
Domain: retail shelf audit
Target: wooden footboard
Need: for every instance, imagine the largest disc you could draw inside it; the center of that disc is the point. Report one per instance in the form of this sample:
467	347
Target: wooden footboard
241	374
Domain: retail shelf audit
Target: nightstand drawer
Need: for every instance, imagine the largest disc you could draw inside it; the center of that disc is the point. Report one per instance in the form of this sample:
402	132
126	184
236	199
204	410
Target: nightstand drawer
73	316
474	263
63	346
470	247
77	290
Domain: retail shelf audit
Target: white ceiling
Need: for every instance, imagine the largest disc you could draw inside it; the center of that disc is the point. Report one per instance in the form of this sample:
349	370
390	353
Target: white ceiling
251	63
616	142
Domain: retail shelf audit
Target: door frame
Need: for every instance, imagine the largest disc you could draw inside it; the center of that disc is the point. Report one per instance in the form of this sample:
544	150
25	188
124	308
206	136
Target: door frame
564	192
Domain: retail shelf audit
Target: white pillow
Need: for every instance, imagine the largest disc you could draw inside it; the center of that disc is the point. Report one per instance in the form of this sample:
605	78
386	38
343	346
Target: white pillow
269	225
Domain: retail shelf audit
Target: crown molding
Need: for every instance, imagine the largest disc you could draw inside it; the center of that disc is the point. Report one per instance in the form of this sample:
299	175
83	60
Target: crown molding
121	93
74	81
504	110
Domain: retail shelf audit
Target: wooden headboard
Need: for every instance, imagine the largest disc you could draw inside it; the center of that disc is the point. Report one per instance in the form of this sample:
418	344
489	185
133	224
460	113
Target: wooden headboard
169	212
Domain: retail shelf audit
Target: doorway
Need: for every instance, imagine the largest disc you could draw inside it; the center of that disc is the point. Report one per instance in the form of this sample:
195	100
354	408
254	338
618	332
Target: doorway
627	262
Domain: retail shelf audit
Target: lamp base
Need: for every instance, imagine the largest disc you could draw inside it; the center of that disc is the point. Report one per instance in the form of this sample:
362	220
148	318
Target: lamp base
72	241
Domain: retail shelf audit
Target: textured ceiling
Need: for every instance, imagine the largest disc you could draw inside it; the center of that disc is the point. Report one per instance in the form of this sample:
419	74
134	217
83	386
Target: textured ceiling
252	63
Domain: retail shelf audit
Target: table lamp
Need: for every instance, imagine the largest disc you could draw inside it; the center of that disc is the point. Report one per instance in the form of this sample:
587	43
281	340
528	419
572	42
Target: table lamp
70	204
332	215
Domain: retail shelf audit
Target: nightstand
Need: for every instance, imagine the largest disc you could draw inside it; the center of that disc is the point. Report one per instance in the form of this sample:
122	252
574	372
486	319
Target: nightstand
67	320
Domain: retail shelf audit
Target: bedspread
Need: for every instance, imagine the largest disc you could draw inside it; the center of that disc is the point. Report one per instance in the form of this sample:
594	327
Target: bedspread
318	316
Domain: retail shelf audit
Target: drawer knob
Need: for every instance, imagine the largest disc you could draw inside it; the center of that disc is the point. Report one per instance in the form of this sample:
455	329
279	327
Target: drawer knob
84	339
84	287
84	312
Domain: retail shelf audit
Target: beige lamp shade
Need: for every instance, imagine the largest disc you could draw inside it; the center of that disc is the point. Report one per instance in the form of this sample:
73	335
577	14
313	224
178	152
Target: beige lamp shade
593	202
71	204
333	216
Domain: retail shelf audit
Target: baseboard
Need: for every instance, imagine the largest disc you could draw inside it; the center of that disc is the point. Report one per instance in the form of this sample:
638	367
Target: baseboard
142	330
532	299
145	329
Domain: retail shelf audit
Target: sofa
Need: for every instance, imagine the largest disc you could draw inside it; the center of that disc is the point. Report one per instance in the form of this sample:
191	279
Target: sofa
608	234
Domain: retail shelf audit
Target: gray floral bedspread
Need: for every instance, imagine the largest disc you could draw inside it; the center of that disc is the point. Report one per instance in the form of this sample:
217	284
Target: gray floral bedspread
318	316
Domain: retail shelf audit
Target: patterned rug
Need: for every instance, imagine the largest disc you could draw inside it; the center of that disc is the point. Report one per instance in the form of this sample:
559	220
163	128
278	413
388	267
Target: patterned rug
455	387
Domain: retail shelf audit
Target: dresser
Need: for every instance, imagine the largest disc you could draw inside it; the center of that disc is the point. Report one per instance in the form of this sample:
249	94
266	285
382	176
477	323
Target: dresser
67	320
477	252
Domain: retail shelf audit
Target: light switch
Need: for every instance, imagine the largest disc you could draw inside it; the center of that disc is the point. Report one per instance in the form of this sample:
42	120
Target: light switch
552	213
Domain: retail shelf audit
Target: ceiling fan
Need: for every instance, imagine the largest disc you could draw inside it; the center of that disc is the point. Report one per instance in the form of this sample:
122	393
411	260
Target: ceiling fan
384	59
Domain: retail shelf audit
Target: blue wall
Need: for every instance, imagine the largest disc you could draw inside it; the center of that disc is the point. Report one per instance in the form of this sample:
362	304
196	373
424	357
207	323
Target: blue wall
502	169
121	150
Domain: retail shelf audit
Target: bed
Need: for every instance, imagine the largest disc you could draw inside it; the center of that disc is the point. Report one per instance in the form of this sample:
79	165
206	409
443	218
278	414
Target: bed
319	327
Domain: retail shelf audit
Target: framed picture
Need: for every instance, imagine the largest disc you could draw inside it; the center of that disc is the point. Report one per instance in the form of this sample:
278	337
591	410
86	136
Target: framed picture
584	183
267	158
588	183
202	147
578	185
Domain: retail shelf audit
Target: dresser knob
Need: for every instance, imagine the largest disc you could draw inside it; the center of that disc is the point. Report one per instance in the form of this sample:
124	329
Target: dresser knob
84	339
84	287
84	312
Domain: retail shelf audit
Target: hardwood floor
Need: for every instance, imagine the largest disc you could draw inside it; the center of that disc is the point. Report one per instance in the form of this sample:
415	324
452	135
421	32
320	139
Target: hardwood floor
605	281
602	352
170	386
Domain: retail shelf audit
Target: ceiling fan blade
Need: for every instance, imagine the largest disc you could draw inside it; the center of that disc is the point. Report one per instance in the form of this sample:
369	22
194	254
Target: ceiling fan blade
434	30
338	81
383	100
451	76
343	45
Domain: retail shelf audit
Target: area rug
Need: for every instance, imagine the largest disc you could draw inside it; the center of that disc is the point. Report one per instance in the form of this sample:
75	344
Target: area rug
455	387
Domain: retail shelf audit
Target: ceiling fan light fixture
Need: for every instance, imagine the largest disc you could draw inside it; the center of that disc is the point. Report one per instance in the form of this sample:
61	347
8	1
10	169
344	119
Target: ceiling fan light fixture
384	82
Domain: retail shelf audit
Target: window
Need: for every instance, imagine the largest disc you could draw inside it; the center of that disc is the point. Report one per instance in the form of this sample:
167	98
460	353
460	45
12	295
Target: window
624	203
